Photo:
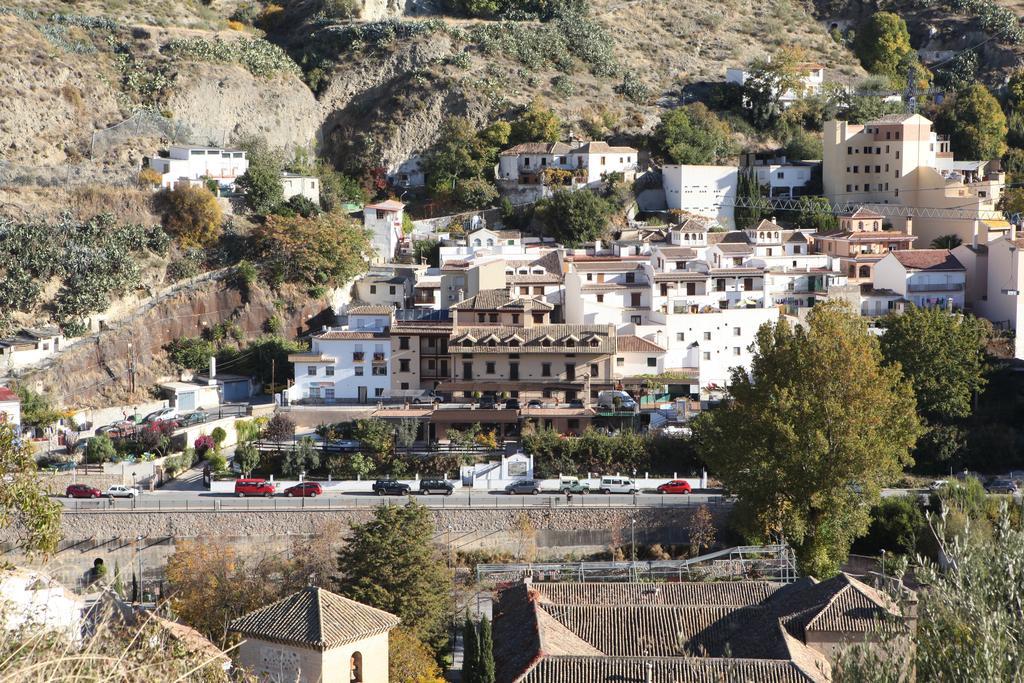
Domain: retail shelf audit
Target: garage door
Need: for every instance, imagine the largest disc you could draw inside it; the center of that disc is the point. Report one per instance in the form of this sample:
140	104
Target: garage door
186	400
235	392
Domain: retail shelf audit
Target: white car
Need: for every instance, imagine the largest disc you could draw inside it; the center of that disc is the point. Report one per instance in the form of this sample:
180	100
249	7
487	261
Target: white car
617	485
117	491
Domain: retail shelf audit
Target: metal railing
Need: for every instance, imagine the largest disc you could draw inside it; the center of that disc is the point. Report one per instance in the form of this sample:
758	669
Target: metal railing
937	287
478	500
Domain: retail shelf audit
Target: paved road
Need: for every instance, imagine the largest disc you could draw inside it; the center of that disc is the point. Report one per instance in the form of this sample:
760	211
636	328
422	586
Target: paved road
196	500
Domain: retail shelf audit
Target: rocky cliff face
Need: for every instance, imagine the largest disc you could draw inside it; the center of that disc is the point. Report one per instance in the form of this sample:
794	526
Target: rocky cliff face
95	371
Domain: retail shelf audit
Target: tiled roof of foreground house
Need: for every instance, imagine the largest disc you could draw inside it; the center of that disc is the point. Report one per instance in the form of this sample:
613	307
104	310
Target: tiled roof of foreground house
928	259
557	338
314	618
682	632
500	300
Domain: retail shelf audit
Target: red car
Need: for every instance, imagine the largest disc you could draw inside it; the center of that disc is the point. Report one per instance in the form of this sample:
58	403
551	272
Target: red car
675	486
82	491
253	487
309	489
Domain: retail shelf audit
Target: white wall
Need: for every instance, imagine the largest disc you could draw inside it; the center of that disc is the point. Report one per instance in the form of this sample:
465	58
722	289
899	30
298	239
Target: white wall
10	411
344	381
708	191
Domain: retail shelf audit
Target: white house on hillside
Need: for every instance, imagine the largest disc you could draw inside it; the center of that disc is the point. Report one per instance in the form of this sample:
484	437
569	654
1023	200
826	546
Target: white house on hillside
349	363
811	79
384	221
294	184
925	277
10	407
707	191
194	164
589	162
28	346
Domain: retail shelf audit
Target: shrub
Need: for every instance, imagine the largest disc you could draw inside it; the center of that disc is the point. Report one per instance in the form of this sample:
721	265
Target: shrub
149	177
192	215
279	428
99	449
326	250
245	274
260	57
219	436
475	193
236	25
261	184
633	88
204	444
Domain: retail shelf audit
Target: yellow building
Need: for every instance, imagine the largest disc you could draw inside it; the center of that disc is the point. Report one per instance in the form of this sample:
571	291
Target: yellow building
315	636
898	159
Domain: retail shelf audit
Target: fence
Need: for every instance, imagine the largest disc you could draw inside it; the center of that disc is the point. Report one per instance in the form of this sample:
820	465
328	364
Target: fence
479	501
65	175
149	125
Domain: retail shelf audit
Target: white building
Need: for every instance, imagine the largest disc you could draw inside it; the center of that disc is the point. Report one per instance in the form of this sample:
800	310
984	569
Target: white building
588	162
294	184
409	173
28	346
194	164
384	221
10	407
348	363
34	601
924	277
783	178
997	276
811	79
635	356
707	191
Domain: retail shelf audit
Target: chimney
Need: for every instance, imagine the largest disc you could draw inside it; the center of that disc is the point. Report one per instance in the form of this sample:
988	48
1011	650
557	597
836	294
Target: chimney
648	672
212	380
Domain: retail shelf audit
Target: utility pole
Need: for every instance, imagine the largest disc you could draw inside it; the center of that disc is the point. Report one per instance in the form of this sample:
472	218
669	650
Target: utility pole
131	367
273	375
139	541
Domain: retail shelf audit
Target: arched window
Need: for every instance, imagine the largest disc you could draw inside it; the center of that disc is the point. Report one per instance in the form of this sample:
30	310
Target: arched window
570	342
477	242
865	271
876	225
355	667
490	242
492	343
467	342
545	342
860	225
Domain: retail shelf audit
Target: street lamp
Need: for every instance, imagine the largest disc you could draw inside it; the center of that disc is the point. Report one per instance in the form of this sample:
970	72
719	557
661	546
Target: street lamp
632	537
138	540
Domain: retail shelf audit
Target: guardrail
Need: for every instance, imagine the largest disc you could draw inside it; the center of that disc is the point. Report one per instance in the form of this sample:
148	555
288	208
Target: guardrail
482	500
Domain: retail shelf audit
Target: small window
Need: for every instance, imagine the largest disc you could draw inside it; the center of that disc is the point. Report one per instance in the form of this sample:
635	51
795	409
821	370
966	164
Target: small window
404	386
735	350
490	367
545	369
392	289
329	371
594	369
359	370
600	298
707	336
736	331
680	336
620	361
379	391
403	365
311	370
652	362
403	343
373	289
707	355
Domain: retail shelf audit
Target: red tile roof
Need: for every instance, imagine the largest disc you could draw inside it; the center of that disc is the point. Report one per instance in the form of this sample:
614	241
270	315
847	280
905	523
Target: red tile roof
928	259
7	395
631	343
389	205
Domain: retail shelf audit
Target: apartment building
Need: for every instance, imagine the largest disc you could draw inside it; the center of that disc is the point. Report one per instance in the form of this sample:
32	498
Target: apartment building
925	277
461	279
501	344
861	242
705	191
420	360
348	363
384	221
1003	300
588	162
607	289
898	159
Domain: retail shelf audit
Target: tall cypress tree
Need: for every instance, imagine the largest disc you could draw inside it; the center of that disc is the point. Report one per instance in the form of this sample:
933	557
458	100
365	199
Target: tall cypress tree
470	653
486	674
749	191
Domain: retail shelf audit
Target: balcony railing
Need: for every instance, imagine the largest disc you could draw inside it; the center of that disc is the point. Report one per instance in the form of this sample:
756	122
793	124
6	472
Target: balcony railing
378	357
937	287
357	356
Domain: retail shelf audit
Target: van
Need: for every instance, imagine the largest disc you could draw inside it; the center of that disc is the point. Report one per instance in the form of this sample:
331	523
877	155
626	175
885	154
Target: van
606	400
253	487
617	485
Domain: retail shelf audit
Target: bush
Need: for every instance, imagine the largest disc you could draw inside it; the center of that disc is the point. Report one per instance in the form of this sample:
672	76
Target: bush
219	436
192	215
633	88
325	250
99	449
896	527
245	274
204	444
261	184
255	54
279	428
475	193
149	177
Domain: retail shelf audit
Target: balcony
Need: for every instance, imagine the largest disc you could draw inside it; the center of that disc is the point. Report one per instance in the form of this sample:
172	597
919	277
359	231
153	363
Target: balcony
378	357
358	356
937	287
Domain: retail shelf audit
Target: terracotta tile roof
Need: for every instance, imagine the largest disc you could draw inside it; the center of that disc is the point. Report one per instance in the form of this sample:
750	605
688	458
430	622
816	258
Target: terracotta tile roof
738	270
611	266
600	147
928	259
372	309
533	278
891	118
862	213
592	287
731	248
1019	243
337	335
666	670
531	339
631	343
8	395
501	300
590	258
191	640
389	205
314	618
681	276
681	253
538	148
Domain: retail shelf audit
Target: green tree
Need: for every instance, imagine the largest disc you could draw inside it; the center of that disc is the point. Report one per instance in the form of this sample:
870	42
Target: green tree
573	218
975	123
303	458
692	135
374	433
261	182
946	242
279	428
756	208
475	193
337	189
36	409
24	506
391	563
943	356
883	44
1012	201
766	83
99	449
326	250
428	250
470	652
803	145
191	214
409	660
815	213
536	123
1015	91
896	525
486	651
808	438
247	456
463	153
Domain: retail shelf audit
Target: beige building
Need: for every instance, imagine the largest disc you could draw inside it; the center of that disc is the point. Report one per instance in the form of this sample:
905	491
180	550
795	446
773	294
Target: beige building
419	355
463	279
315	636
995	283
502	345
860	243
898	159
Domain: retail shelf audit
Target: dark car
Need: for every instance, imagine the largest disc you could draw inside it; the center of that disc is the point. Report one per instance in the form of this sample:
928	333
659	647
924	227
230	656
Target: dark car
194	418
307	489
1001	486
512	404
526	486
390	487
576	403
428	486
82	491
675	486
488	402
535	403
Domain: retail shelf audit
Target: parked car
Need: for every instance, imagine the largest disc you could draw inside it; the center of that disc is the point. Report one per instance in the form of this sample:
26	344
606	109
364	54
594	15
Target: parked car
390	487
488	402
569	485
1001	486
615	400
306	489
117	430
253	487
162	414
82	491
576	403
675	486
938	484
119	491
194	418
617	485
428	486
63	466
535	403
428	397
512	404
525	486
